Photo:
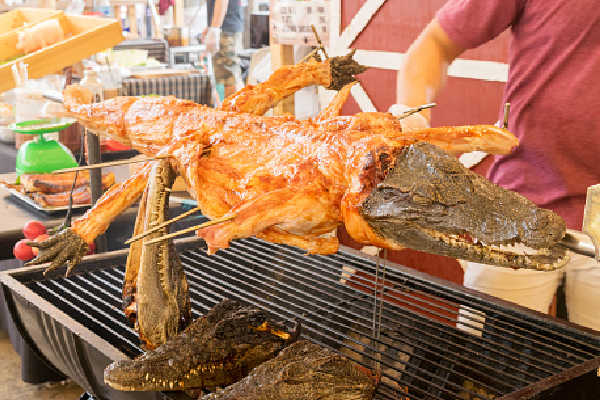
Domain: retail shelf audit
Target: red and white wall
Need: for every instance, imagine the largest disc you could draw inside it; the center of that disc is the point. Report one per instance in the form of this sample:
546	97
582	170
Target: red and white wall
382	31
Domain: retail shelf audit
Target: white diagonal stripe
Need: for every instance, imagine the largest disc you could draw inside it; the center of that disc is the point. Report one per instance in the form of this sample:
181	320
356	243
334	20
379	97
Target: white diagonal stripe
362	98
358	23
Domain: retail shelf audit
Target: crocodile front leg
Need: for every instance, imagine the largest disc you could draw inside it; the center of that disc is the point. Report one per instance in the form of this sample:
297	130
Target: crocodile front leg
161	290
70	245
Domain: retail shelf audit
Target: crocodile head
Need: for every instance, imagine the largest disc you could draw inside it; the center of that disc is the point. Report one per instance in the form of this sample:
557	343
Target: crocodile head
216	350
429	202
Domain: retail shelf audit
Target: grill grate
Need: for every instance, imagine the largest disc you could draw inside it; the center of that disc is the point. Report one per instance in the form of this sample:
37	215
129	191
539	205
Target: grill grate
411	336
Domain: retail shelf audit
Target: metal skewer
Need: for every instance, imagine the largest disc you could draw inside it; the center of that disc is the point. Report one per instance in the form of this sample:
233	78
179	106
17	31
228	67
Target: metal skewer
319	41
506	112
415	110
190	229
109	164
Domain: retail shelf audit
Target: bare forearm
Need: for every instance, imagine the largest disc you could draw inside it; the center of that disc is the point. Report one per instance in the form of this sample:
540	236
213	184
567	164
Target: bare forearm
219	13
424	71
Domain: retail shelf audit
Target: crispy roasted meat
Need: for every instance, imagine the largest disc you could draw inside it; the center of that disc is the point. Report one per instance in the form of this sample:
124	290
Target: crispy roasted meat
81	194
279	178
302	371
56	183
217	349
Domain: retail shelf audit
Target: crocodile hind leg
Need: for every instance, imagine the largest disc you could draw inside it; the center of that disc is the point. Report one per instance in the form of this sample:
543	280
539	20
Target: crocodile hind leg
161	289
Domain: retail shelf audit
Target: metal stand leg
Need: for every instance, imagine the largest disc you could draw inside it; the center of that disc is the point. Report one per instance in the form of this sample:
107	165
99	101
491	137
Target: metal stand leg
93	157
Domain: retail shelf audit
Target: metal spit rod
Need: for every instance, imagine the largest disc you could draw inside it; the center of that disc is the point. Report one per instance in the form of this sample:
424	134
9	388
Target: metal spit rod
579	243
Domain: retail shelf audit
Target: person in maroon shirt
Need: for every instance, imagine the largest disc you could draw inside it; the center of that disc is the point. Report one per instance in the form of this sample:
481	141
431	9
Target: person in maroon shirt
554	90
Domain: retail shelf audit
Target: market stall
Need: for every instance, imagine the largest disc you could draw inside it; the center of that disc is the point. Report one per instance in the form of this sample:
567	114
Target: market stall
271	293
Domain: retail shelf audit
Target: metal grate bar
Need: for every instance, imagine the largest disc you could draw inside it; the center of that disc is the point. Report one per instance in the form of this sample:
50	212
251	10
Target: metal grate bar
421	354
292	275
117	335
544	342
526	340
493	345
444	292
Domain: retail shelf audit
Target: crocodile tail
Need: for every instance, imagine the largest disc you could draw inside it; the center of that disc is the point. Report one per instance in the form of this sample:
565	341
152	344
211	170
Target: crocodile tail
105	118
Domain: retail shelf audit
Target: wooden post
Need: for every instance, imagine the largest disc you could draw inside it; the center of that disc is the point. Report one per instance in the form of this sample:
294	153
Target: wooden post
178	10
133	28
48	4
282	55
156	27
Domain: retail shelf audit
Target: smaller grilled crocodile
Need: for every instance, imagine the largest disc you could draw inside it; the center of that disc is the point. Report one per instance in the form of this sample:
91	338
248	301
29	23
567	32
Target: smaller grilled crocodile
216	350
302	371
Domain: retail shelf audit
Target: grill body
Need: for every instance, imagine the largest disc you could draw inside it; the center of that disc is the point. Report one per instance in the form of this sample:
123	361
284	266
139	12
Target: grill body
429	339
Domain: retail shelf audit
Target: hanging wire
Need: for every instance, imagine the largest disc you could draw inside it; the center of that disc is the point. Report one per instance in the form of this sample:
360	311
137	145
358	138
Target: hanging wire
67	221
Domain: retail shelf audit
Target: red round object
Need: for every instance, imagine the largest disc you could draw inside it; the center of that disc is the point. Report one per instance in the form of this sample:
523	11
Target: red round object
33	229
22	251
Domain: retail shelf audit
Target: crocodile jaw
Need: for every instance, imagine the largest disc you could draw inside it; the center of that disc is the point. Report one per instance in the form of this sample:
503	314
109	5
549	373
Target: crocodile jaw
215	350
429	202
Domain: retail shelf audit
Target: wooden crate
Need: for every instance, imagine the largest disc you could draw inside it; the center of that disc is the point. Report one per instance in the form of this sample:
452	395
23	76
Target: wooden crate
13	22
24	17
85	36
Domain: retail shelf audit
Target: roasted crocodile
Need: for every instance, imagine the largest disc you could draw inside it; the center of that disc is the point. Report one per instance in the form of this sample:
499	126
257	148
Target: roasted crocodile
302	371
283	180
278	178
217	349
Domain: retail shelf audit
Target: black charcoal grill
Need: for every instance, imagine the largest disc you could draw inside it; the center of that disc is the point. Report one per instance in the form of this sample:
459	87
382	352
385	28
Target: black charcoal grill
384	316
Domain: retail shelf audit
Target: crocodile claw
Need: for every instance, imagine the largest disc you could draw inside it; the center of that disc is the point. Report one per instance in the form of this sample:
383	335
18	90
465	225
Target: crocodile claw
64	247
343	70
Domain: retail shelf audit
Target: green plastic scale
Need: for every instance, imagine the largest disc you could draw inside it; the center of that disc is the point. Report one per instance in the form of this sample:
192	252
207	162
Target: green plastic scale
41	156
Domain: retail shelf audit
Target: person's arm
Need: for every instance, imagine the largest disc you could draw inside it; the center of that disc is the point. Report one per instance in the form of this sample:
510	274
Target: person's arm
219	13
212	34
424	71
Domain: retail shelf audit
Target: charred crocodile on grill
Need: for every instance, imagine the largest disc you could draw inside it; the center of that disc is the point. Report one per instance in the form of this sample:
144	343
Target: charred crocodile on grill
215	350
305	371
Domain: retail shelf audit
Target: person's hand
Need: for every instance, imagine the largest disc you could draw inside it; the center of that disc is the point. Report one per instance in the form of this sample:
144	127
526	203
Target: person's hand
413	122
211	37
